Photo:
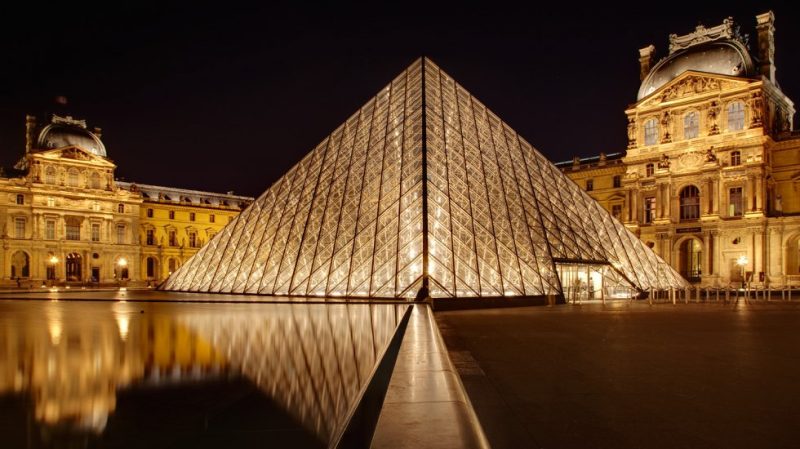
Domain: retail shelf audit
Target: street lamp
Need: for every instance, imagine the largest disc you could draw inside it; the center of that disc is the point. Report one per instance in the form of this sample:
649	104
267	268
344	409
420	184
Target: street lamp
742	262
51	268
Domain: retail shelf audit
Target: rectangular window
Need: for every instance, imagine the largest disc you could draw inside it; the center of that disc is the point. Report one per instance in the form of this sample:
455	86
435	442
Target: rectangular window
19	227
649	209
173	240
211	218
50	230
617	181
735	202
149	213
192	240
51	202
616	211
191	216
151	238
121	208
736	158
20	199
95	232
589	185
73	230
120	234
172	215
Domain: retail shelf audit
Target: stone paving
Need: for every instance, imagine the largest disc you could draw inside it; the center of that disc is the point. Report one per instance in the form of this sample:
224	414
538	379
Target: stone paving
631	375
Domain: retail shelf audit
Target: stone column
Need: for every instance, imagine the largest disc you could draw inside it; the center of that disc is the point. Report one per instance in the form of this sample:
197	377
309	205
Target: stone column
748	194
635	205
706	268
759	186
758	253
717	253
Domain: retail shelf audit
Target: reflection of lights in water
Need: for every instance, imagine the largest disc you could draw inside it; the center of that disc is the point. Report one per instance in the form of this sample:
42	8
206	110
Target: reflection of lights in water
55	321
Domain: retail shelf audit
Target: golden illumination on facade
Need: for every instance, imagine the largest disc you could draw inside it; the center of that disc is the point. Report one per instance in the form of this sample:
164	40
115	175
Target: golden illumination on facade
711	173
423	191
66	220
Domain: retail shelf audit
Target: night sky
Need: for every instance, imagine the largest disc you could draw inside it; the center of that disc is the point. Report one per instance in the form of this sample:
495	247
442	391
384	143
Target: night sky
223	97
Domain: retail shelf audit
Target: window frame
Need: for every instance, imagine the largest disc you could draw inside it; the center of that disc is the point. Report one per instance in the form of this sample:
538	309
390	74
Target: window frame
736	158
590	184
736	115
689	206
651	133
691	122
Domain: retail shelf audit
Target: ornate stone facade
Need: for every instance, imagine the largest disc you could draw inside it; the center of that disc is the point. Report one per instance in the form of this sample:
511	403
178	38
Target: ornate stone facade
712	168
65	219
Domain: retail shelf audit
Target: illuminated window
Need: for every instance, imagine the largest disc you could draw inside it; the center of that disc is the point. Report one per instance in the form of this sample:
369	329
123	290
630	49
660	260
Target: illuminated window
121	208
19	226
50	230
617	181
95	232
589	185
173	240
735	202
691	125
74	177
689	203
736	158
651	132
120	234
20	199
649	209
192	240
95	180
649	170
150	237
73	229
736	116
50	175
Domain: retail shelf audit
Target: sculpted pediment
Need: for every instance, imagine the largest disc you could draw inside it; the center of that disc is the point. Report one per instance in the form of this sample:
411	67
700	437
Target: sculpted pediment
689	84
75	154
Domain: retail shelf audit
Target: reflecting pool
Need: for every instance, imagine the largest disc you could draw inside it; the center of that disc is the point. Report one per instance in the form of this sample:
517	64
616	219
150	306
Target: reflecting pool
136	374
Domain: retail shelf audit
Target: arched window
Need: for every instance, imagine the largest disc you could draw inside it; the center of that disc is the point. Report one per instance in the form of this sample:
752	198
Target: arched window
20	265
649	170
690	203
651	132
95	180
74	177
50	175
736	158
691	125
736	116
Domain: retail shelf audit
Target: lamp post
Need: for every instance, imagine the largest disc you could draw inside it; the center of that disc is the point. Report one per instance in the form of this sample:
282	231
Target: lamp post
742	262
51	268
122	263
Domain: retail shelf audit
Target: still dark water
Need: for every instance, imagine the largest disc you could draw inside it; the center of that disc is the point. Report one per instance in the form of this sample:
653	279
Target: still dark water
166	375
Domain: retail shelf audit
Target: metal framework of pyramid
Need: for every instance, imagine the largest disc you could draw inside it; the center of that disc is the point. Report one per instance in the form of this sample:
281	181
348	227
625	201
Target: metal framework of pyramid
423	191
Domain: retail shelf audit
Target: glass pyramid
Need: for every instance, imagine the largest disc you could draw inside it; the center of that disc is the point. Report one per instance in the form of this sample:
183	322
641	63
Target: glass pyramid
423	191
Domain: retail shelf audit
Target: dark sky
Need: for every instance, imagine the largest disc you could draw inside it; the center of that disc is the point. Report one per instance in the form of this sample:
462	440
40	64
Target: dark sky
224	97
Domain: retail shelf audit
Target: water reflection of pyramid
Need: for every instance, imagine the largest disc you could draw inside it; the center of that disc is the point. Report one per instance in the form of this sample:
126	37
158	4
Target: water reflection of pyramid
422	187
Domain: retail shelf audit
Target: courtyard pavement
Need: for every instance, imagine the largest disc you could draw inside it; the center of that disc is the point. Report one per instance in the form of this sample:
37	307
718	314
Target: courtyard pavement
631	375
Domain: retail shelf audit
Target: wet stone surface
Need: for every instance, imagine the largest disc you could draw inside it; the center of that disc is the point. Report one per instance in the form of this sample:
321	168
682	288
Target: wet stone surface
630	375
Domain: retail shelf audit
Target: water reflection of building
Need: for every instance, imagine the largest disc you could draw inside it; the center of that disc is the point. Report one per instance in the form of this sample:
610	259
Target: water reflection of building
711	170
64	217
74	359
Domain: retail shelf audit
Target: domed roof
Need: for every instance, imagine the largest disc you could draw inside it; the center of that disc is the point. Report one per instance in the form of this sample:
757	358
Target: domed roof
722	57
65	131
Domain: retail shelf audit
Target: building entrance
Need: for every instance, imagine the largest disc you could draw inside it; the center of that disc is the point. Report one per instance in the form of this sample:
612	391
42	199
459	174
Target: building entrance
73	267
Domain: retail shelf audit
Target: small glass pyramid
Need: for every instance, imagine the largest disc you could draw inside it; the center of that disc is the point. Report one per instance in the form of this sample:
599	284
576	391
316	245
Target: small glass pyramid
424	192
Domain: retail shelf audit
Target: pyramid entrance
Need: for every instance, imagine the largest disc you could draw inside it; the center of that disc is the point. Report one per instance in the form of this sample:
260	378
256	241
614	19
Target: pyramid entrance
422	192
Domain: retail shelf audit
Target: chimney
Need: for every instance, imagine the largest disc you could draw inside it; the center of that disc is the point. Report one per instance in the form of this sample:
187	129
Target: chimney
766	44
646	58
30	125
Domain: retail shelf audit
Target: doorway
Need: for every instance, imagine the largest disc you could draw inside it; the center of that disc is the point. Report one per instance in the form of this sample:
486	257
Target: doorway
73	266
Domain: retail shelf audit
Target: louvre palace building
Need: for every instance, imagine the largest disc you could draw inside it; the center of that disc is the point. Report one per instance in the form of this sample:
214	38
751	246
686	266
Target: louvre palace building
711	174
67	220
